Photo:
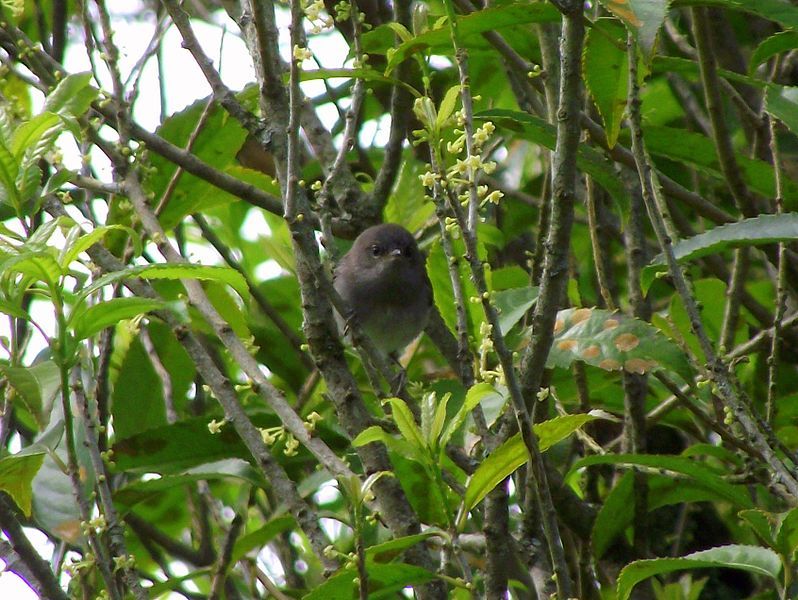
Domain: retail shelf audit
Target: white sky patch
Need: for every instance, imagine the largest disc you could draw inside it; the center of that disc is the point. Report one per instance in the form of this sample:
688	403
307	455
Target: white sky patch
12	586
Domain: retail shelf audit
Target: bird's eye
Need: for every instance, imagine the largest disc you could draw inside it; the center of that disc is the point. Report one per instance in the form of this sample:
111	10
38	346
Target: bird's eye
376	250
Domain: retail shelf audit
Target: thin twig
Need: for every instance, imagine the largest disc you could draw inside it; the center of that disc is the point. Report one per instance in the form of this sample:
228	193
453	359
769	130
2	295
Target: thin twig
120	558
162	372
192	139
732	173
781	282
223	563
734	292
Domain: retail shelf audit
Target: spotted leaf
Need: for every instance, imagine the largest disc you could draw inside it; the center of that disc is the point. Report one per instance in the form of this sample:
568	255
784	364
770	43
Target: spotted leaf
614	342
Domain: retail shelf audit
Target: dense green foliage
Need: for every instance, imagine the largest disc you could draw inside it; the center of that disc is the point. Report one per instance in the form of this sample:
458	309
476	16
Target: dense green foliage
606	403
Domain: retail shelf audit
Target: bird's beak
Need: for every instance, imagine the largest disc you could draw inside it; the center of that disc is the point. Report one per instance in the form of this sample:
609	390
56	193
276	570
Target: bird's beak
396	252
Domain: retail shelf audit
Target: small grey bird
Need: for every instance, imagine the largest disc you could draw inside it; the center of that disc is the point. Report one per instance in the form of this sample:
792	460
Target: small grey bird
384	281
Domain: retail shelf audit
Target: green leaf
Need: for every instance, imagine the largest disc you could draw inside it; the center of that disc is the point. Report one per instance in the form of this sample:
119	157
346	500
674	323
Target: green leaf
505	459
277	243
402	32
57	181
224	275
605	68
387	551
783	41
84	242
159	589
132	410
420	479
643	18
235	470
557	429
761	522
612	341
13	309
756	231
175	447
29	179
754	559
262	536
384	580
538	131
274	350
16	7
764	229
72	96
448	104
132	371
36	386
224	302
614	515
438	270
617	512
698	151
369	483
34	137
217	143
779	531
41	266
710	294
55	508
406	204
427	406
369	435
782	103
690	68
476	393
711	480
38	240
95	318
513	304
9	167
404	420
438	421
16	475
774	10
787	533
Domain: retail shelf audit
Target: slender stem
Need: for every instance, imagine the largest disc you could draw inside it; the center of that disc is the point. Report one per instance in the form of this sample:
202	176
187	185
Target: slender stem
64	359
225	558
734	293
598	242
461	57
116	538
732	173
401	111
781	283
291	181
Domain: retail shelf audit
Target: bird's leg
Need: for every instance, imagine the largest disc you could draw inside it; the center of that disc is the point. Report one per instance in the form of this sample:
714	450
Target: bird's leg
349	320
399	380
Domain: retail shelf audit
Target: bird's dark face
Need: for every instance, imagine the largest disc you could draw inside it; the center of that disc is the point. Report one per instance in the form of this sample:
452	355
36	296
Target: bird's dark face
386	248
